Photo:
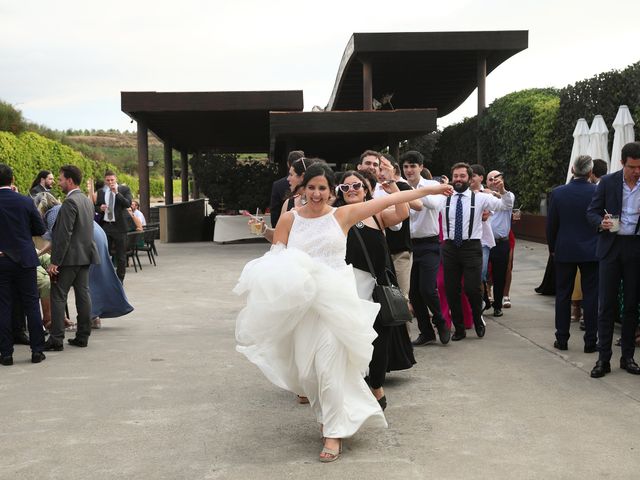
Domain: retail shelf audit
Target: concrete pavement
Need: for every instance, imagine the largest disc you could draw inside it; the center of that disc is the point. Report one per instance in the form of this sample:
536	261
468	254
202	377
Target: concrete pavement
162	394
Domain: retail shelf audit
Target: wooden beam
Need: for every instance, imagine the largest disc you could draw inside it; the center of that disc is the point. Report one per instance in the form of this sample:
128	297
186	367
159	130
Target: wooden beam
168	174
184	176
143	169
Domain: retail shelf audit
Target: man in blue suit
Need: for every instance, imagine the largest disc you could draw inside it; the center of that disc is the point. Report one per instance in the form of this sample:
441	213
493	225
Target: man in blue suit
572	243
615	209
19	221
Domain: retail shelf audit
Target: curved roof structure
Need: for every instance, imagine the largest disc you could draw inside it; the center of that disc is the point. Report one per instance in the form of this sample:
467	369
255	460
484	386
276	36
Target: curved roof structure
420	69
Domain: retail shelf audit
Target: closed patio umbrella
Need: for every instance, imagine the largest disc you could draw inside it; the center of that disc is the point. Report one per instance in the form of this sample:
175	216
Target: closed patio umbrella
580	143
623	126
599	140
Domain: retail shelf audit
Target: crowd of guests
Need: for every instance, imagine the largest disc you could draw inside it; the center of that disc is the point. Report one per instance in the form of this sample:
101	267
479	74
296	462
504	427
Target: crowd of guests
78	242
448	248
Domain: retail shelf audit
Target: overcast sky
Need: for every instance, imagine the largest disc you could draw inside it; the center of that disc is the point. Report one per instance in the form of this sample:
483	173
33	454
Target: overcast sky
65	62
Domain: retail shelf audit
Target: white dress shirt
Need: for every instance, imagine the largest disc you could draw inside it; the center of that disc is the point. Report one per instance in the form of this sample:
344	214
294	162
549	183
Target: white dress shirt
484	201
425	222
630	208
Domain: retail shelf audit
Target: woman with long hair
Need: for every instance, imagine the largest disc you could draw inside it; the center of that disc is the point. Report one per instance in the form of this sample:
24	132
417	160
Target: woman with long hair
304	324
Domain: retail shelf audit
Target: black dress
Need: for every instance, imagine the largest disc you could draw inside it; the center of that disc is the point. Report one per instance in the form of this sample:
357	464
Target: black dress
392	350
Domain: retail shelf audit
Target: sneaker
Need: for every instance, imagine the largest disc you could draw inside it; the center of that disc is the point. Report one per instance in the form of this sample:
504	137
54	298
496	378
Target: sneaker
506	302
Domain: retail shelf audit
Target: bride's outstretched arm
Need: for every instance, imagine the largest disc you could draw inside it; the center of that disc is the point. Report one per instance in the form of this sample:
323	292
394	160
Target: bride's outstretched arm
349	215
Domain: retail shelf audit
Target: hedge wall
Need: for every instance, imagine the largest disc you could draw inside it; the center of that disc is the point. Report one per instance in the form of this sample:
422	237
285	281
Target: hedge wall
28	153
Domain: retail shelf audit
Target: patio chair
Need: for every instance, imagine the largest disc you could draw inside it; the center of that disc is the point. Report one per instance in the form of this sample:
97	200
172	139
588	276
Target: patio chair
133	238
151	239
148	244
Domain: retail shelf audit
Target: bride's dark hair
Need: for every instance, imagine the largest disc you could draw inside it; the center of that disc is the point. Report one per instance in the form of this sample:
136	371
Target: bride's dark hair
320	169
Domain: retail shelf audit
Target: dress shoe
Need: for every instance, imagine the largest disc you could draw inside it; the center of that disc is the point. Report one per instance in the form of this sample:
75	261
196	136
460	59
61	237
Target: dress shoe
6	361
444	333
590	348
383	402
560	345
49	346
601	369
21	339
497	312
630	365
76	343
457	336
481	328
423	340
37	357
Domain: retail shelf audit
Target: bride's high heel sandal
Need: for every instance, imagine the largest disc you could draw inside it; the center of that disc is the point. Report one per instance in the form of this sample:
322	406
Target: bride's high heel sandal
331	455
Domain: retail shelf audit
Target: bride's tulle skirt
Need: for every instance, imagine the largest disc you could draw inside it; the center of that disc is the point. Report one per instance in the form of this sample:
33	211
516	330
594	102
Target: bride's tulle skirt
307	330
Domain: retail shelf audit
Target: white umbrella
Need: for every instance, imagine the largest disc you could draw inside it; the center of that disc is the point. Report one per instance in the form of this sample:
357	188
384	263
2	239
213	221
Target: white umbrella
599	140
580	144
623	126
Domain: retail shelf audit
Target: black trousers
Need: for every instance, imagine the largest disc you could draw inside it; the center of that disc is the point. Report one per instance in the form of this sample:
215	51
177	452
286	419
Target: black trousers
20	282
380	357
499	259
423	291
565	279
458	263
622	263
117	245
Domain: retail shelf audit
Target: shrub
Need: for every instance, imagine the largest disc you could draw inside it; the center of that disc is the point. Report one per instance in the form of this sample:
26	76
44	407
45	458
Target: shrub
11	119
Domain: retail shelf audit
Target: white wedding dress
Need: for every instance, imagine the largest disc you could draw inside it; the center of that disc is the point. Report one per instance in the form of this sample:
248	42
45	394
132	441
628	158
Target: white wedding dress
306	328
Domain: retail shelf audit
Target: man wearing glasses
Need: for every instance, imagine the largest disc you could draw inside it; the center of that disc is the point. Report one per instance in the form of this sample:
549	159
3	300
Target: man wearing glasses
614	211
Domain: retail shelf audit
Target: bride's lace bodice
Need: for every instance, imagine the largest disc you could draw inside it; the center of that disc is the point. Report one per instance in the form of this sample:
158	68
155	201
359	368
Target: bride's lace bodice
321	238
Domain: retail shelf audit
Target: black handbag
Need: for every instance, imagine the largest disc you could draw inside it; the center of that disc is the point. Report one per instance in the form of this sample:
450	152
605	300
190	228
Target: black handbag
394	309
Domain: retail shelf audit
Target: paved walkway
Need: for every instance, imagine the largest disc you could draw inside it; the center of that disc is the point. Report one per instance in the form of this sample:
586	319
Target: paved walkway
161	394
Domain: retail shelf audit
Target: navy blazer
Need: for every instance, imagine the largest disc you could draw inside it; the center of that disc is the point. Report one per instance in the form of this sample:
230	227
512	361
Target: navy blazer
570	236
19	221
608	197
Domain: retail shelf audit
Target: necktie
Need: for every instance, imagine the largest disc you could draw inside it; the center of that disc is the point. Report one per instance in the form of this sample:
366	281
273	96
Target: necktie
457	235
111	207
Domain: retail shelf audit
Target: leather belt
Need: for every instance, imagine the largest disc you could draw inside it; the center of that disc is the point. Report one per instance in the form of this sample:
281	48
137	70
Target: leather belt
434	239
502	239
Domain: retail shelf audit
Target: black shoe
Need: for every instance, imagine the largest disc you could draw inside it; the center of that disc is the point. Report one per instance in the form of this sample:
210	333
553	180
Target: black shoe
77	343
630	365
21	339
560	345
37	357
457	336
421	340
6	361
497	312
480	328
601	369
590	348
383	402
444	333
49	346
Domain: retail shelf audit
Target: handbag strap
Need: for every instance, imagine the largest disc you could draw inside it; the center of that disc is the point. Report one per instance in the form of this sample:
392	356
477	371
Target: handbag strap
366	256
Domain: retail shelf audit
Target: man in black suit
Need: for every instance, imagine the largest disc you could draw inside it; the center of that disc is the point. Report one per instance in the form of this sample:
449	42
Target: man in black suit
72	252
280	188
615	209
42	183
19	221
113	201
572	243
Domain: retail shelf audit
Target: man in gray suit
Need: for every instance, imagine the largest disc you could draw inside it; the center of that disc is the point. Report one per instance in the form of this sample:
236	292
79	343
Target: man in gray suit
72	251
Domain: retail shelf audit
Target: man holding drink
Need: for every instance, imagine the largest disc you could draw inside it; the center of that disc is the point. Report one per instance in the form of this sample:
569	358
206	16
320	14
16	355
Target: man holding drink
615	210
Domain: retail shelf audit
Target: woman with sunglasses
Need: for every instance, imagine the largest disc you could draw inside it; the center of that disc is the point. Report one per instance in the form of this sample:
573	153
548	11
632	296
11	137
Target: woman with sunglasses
304	325
355	188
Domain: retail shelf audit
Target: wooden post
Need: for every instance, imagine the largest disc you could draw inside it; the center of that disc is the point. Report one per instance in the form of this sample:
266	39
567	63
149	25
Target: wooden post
367	85
143	169
482	94
168	174
184	176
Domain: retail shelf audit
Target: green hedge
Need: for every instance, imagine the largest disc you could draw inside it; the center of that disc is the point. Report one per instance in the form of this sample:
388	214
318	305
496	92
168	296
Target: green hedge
232	184
28	153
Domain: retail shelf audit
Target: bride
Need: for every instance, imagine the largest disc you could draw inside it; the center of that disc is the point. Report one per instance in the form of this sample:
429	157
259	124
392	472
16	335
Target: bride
304	325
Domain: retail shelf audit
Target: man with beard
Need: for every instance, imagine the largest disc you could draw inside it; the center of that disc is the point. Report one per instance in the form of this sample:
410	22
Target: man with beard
462	250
